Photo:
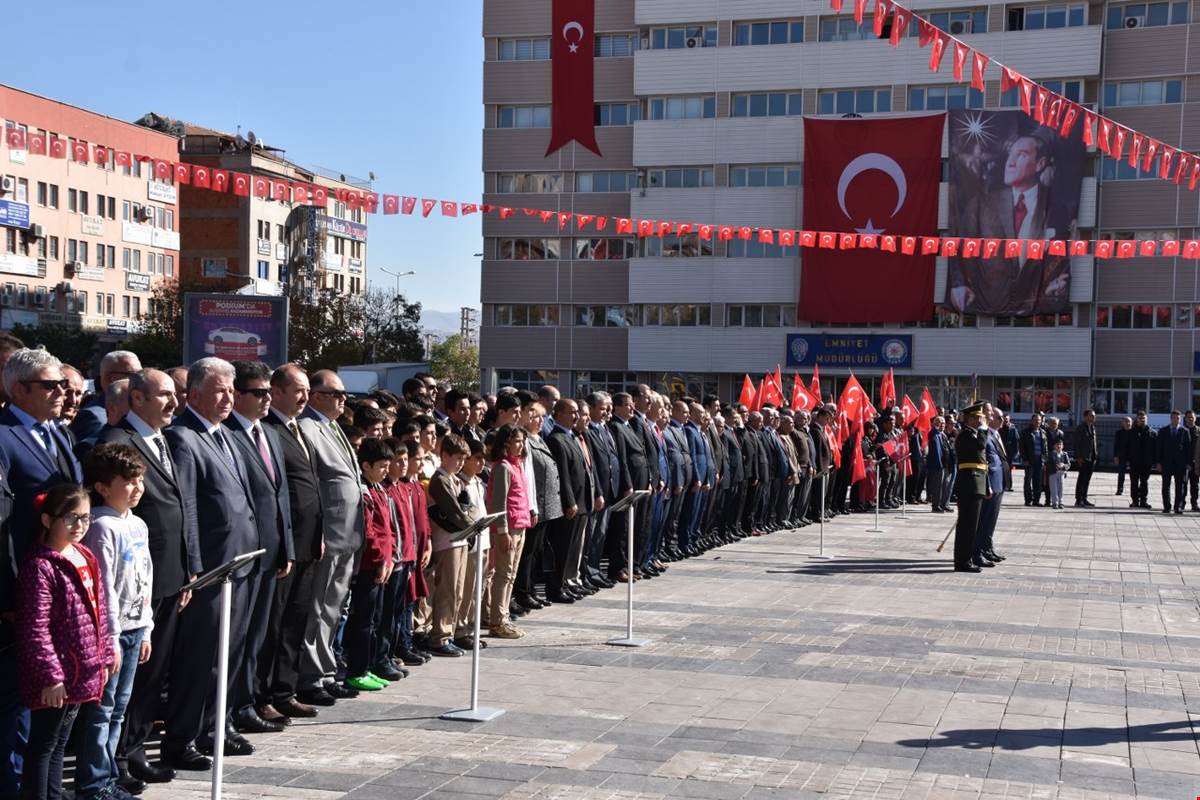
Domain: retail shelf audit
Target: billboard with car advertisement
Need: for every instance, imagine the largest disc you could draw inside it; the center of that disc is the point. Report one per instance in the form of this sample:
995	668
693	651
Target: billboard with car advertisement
235	327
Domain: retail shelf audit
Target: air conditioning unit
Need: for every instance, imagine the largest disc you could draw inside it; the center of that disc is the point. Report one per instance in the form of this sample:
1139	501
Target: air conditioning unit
145	214
1135	22
693	42
7	185
37	231
645	43
960	26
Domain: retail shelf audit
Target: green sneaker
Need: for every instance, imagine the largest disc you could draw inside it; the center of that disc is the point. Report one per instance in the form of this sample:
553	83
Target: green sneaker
378	680
364	683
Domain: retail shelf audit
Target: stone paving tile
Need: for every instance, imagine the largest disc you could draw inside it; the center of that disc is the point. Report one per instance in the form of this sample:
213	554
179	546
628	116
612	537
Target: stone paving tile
1072	671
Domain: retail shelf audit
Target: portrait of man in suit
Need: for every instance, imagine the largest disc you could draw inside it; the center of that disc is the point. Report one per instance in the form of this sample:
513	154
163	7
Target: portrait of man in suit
1011	182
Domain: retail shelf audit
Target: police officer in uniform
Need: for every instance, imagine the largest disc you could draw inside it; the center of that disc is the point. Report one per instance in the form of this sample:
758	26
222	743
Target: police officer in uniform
971	484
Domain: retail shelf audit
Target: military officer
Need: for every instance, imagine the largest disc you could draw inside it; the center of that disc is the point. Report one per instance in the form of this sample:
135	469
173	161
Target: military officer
971	485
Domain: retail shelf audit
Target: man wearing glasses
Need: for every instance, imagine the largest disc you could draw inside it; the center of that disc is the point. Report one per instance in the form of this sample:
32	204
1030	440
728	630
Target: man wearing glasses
34	455
92	417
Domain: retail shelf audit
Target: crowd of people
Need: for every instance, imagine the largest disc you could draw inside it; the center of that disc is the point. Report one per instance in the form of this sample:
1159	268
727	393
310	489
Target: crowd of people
112	503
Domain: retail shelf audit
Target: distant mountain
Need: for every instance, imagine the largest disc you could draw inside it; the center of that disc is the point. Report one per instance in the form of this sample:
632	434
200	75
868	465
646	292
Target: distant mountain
444	323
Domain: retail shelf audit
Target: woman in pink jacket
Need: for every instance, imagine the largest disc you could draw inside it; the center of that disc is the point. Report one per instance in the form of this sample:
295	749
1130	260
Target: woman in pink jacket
64	648
507	492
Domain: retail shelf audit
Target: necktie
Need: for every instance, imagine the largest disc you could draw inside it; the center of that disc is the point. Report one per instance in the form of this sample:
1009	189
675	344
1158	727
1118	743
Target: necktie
341	437
295	430
219	435
1019	213
43	433
264	452
163	456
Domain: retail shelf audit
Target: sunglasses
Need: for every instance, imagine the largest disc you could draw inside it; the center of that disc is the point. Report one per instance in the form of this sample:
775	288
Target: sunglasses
337	394
74	519
49	385
259	393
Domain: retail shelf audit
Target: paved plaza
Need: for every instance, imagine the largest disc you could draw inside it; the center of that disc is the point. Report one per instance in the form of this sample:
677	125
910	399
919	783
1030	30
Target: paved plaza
1071	671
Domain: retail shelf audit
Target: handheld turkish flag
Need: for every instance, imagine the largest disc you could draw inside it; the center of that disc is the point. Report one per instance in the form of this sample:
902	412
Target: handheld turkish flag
853	400
814	386
801	399
927	412
887	391
758	396
771	393
910	411
746	398
872	176
858	468
572	66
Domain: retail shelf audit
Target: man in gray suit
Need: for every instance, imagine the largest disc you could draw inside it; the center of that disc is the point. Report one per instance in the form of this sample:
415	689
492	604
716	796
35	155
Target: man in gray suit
342	500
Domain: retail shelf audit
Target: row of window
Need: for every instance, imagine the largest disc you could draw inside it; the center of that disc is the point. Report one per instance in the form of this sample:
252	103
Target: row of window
617	316
1144	317
608	45
80	251
674	177
614	248
20	295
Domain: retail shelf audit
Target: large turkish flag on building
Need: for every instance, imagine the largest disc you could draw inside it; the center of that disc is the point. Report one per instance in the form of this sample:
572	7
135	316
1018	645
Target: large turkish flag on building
572	66
870	176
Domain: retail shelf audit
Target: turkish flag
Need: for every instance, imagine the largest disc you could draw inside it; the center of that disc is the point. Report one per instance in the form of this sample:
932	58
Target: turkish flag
320	196
163	170
58	147
925	415
746	398
371	202
221	179
280	190
771	393
79	152
979	63
183	173
300	193
407	204
858	467
427	206
353	201
100	154
872	176
200	175
887	390
814	385
15	138
572	66
801	399
391	204
910	411
262	187
1104	248
36	142
853	400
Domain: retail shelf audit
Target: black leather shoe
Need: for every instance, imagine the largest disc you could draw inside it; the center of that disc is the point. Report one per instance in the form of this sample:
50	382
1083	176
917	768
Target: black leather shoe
189	758
251	722
994	556
448	650
315	697
465	643
983	562
388	672
527	602
411	658
340	691
292	707
130	784
145	771
559	597
968	568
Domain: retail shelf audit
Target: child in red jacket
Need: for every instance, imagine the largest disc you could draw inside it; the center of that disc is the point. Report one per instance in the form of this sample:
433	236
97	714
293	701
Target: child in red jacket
375	568
63	643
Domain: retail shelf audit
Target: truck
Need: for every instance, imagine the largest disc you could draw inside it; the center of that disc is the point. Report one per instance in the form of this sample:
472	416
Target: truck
362	379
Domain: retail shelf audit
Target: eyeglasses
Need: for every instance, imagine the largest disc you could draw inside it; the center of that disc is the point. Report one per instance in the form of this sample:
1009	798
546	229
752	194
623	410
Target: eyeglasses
48	385
76	519
259	393
336	394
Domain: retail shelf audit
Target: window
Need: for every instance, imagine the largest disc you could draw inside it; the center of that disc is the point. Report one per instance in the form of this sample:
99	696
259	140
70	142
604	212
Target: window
169	269
1036	18
23	295
126	306
616	45
1026	395
772	104
527	249
54	195
1143	93
39	297
1064	320
110	302
1141	15
137	307
1139	316
53	242
617	114
957	22
540	182
72	201
844	29
605	181
524	116
679	177
677	315
42	193
854	101
1130	395
525	49
542	316
702	106
137	261
99	302
1111	170
112	255
760	316
611	249
752	248
100	256
689	245
529	379
1072	90
776	32
685	37
587	382
83	203
264	229
772	175
625	316
264	270
940	98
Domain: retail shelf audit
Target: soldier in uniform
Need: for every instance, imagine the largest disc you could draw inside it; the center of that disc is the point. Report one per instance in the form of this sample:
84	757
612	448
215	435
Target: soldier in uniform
971	485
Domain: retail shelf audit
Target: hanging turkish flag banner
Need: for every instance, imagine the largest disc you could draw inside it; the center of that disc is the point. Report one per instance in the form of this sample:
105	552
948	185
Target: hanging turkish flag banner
279	190
262	187
183	173
407	204
1104	248
881	12
1089	128
200	175
240	182
1170	247
1152	146
164	170
979	64
15	138
371	202
900	20
300	193
320	196
860	8
1164	163
940	40
925	32
961	51
1009	78
36	142
1039	108
79	152
427	206
221	178
1146	247
58	147
572	65
1118	142
1079	247
391	204
871	176
1135	149
100	154
1069	115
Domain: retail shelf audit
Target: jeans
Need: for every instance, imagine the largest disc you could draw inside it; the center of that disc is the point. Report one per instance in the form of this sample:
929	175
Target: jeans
1033	482
100	724
49	730
14	718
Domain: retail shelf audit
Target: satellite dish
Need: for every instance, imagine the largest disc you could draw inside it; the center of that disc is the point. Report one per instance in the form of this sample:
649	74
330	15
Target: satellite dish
370	176
251	138
240	141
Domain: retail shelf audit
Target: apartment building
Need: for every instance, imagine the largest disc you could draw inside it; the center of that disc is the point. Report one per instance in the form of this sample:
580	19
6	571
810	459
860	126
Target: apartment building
85	240
699	107
246	241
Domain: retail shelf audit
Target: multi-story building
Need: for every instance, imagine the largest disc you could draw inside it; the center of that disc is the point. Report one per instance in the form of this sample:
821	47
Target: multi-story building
246	241
84	241
699	109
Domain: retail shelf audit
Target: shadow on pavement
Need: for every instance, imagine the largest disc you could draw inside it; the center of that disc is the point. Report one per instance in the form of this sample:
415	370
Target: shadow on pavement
839	566
1025	738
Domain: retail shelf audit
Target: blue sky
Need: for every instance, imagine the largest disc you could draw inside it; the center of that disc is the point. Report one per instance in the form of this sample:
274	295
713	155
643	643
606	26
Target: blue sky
388	87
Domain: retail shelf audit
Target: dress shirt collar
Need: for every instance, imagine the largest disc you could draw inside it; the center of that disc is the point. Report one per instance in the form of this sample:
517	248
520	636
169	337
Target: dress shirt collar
139	426
26	420
321	418
284	418
208	426
1031	197
559	427
246	424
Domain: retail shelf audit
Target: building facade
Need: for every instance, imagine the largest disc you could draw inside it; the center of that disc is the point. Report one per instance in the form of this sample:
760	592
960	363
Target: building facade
699	108
84	242
246	242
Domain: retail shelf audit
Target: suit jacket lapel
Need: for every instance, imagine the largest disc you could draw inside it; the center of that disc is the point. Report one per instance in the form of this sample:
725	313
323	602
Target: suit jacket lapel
28	438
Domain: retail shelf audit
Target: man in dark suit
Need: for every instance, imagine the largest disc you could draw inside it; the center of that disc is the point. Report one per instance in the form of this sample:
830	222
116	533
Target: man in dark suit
92	416
1034	447
971	485
735	466
174	552
1140	452
279	660
679	470
644	427
937	461
217	503
1011	440
576	492
989	512
702	469
822	460
1087	452
803	444
634	475
1174	456
608	476
262	460
712	503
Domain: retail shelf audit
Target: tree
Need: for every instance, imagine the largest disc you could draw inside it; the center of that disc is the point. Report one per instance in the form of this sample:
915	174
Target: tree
391	328
459	364
71	345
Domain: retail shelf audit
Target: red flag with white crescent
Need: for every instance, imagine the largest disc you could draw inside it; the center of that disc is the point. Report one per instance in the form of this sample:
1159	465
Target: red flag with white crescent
572	66
58	147
320	196
183	173
262	187
219	180
15	138
391	204
79	152
36	143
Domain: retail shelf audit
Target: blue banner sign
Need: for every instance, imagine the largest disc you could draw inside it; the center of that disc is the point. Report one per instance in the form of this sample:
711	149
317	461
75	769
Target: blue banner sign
14	214
849	350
